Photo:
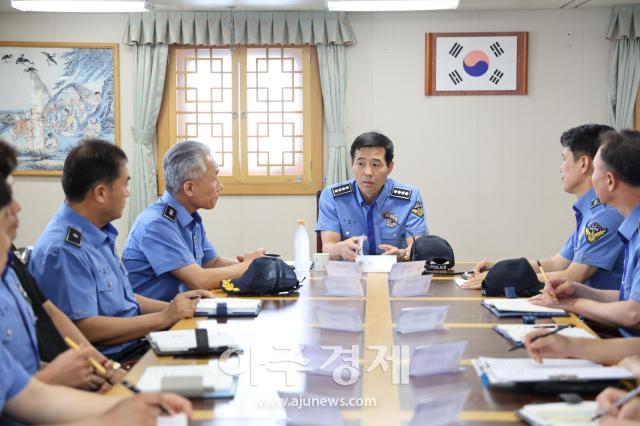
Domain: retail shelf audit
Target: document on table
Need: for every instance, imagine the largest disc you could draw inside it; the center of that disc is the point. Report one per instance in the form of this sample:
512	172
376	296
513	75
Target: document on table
234	307
559	414
208	380
173	341
515	333
506	307
519	370
336	268
377	263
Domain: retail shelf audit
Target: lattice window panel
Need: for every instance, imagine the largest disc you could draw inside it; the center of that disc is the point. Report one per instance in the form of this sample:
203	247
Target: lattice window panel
274	111
204	101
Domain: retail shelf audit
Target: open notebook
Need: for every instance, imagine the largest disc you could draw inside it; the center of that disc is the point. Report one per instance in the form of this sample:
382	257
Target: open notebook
196	381
228	307
191	342
520	307
552	374
515	333
559	414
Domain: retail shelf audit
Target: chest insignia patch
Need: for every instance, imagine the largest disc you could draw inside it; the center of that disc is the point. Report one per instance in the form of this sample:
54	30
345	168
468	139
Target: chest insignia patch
391	219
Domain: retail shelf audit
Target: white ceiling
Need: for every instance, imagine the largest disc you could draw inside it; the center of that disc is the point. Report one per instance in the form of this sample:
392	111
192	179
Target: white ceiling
292	5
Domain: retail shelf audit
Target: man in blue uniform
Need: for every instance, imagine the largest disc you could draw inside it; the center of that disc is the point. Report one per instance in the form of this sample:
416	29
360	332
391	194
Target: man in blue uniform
76	264
168	250
593	253
372	206
616	179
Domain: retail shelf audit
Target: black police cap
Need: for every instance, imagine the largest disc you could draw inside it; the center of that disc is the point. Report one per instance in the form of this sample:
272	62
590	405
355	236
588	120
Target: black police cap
265	275
516	273
435	251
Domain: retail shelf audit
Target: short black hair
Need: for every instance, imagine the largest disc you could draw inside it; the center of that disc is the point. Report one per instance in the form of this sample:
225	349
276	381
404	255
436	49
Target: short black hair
620	151
373	140
584	140
8	159
89	163
5	196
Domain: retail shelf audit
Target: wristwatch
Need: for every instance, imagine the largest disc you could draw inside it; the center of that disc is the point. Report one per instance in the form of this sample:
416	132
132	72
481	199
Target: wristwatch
407	255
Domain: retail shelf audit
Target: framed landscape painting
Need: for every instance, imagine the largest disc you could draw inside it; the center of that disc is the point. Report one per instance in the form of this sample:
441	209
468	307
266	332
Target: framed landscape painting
53	96
476	63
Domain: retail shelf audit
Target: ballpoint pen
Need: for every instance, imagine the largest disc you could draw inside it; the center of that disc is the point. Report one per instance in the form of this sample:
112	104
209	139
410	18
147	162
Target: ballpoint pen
619	403
133	388
557	329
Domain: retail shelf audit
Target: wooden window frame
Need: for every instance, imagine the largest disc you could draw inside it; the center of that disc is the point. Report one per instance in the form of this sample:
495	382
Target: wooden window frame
254	185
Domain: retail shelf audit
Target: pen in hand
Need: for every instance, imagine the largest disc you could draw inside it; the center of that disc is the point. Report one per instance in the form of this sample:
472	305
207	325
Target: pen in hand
554	331
95	364
546	282
135	390
619	403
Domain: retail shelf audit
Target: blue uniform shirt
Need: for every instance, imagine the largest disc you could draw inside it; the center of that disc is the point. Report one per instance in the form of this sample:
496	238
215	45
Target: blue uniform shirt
343	210
78	269
629	233
18	323
14	377
163	238
595	241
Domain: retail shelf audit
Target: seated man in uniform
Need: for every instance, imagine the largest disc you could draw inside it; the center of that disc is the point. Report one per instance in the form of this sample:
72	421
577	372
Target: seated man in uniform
593	253
616	179
76	264
56	363
168	250
371	206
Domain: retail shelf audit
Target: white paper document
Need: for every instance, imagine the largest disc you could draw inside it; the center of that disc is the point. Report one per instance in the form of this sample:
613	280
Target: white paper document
377	263
437	358
175	420
412	320
521	305
343	286
213	378
439	410
411	286
340	318
516	333
559	414
336	268
406	270
459	281
183	340
307	409
514	370
234	306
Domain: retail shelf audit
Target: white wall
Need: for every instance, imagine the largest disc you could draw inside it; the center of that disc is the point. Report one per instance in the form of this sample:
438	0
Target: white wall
487	167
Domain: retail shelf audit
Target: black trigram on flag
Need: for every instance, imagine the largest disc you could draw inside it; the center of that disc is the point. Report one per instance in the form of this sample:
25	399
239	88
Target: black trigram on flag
496	49
497	75
455	77
455	50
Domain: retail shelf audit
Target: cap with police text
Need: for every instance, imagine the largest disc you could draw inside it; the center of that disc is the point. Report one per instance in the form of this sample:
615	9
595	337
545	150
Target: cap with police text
435	251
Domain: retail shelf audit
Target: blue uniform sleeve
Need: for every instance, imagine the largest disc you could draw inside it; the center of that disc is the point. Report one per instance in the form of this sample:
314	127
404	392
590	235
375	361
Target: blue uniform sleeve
69	281
164	248
567	250
327	215
635	283
416	222
14	377
599	244
209	250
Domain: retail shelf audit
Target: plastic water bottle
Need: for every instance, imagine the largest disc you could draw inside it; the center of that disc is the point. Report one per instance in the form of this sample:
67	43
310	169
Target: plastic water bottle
301	250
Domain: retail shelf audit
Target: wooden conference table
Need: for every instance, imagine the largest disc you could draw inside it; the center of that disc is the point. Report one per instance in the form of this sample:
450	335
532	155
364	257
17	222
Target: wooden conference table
290	320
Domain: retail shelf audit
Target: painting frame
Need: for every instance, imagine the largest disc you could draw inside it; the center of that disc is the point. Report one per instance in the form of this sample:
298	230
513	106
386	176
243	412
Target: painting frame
41	138
431	66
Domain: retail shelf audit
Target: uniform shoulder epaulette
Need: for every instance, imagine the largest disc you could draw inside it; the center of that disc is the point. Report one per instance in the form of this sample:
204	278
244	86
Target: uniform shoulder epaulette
595	203
341	190
74	236
402	193
170	212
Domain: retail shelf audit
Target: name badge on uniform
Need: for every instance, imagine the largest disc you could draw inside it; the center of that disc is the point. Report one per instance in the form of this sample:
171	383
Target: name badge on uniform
74	236
170	212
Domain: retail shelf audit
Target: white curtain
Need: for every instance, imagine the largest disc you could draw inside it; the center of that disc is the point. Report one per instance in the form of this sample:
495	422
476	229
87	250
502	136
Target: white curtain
624	65
332	63
149	68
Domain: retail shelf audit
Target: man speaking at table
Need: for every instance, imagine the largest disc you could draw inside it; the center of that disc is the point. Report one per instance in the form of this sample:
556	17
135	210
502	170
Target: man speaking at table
372	206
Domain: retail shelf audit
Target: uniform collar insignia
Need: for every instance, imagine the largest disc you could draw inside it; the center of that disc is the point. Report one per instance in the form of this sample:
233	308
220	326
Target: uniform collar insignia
74	236
402	193
341	190
170	212
595	202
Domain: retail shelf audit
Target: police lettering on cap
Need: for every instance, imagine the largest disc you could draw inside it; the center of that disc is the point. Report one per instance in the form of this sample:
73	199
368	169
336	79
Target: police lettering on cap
435	251
265	275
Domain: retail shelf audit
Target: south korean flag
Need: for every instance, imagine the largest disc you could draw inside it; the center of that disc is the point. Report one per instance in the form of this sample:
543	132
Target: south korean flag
476	63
